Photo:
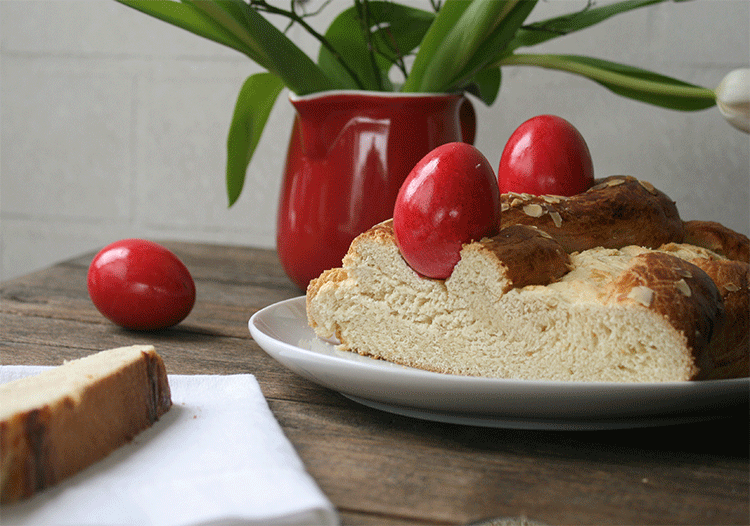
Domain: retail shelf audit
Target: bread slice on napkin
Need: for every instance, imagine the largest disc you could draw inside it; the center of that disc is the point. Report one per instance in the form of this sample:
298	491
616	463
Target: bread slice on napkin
55	424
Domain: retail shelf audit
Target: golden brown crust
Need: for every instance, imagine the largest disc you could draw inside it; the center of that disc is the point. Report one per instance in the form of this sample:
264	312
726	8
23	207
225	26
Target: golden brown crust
715	236
682	293
731	348
382	231
529	255
333	275
617	212
46	444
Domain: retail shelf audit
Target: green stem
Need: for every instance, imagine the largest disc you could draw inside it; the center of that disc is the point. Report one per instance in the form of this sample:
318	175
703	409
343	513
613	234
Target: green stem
363	10
262	5
609	77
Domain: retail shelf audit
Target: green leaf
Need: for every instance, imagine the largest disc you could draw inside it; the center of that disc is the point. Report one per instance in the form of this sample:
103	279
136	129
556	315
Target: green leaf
486	85
627	81
400	30
446	19
189	18
235	24
545	30
483	28
271	48
494	45
350	65
254	104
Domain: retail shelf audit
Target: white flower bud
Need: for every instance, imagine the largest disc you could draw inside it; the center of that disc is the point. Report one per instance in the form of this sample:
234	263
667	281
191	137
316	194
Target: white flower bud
733	98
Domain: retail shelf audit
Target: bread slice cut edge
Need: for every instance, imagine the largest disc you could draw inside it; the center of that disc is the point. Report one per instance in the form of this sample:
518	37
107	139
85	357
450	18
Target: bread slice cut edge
56	423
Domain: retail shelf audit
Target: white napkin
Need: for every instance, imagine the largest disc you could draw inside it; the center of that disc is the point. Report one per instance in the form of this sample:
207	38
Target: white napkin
218	457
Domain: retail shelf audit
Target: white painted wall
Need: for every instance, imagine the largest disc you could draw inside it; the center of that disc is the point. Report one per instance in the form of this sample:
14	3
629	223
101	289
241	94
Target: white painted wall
114	124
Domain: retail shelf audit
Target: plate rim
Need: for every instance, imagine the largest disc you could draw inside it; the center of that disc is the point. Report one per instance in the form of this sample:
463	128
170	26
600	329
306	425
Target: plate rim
283	351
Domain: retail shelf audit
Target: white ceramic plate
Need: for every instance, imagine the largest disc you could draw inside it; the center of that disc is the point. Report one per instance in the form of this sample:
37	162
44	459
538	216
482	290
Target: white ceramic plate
282	331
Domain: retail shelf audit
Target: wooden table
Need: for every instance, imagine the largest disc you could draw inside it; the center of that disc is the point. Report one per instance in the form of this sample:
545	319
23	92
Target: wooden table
379	468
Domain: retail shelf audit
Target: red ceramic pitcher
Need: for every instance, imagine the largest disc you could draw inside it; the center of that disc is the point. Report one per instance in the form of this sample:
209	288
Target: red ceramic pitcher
348	155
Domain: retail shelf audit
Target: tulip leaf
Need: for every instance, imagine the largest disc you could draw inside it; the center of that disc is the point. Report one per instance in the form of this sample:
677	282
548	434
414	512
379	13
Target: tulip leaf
350	61
254	103
187	17
225	15
235	24
474	40
627	81
394	31
457	47
441	26
486	85
494	44
272	49
400	33
542	31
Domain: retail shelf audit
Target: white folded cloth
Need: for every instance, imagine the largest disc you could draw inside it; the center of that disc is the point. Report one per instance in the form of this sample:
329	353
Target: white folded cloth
218	457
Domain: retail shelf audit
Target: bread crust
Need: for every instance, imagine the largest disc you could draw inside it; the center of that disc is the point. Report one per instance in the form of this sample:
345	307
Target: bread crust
718	238
43	444
730	356
683	294
529	256
616	212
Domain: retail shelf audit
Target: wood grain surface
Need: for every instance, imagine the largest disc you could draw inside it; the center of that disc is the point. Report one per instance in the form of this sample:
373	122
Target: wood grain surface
383	469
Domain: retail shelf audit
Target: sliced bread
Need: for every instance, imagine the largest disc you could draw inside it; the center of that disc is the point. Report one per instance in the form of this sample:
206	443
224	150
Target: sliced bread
56	423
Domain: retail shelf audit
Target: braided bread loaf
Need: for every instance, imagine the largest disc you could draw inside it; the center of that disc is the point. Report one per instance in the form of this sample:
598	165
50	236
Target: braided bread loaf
595	287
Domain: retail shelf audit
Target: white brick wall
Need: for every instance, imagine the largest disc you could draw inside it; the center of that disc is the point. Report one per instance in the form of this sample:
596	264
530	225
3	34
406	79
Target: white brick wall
113	124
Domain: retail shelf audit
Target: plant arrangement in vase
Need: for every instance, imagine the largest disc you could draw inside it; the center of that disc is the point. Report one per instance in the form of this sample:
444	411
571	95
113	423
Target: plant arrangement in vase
458	46
382	46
